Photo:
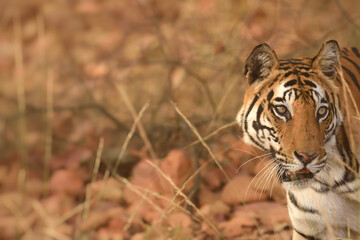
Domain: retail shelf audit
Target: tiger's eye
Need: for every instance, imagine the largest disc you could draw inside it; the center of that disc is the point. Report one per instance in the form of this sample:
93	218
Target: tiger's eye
322	111
281	109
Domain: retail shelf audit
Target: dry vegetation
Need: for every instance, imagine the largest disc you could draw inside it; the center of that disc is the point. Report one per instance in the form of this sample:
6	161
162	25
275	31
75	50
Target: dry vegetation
117	116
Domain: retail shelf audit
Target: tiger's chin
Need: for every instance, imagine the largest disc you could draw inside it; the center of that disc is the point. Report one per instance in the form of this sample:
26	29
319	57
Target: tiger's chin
297	185
297	180
301	175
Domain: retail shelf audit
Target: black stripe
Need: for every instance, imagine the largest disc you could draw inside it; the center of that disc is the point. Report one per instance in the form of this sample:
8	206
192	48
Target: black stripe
324	186
257	144
353	63
340	149
349	176
349	191
246	122
346	146
338	80
327	96
279	153
332	127
279	99
343	147
302	67
305	74
300	60
290	83
270	95
343	181
323	189
310	83
304	235
323	100
287	91
259	112
296	59
284	64
291	72
296	204
352	76
300	64
356	52
249	110
285	68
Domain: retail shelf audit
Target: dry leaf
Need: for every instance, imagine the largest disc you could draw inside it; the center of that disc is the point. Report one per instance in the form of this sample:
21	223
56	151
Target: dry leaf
239	190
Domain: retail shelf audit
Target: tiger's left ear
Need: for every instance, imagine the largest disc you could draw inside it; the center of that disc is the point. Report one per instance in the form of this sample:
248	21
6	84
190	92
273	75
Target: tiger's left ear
260	63
328	59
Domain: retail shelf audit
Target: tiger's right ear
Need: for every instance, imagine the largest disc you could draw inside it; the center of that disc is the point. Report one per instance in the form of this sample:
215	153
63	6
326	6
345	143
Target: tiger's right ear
328	59
260	63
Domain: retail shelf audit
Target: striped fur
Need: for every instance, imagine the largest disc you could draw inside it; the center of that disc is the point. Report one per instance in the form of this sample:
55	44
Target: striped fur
305	112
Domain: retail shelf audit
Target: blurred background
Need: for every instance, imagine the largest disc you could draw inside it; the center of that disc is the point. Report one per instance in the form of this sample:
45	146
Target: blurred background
111	77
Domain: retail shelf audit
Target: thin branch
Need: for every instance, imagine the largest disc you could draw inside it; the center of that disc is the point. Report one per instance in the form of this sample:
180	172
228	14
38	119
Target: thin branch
234	123
33	110
204	84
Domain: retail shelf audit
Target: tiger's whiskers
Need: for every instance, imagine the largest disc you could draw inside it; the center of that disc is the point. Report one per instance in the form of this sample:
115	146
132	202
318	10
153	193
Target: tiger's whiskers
252	159
266	166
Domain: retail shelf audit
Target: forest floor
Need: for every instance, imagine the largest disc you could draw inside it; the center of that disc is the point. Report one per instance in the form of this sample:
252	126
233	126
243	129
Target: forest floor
117	117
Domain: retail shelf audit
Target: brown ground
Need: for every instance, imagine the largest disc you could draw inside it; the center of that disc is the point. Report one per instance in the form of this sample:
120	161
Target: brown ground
101	103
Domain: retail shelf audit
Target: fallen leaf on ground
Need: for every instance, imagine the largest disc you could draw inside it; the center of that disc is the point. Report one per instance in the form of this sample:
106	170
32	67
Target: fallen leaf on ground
178	166
110	189
239	190
66	181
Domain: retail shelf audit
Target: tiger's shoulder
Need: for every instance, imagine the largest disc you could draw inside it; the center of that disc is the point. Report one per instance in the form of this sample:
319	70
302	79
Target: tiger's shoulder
350	100
350	64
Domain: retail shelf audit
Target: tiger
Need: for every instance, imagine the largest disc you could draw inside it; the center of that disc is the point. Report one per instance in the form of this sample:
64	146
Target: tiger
304	112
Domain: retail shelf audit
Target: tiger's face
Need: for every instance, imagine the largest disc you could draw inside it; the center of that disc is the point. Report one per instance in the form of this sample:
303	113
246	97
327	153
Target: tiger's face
290	109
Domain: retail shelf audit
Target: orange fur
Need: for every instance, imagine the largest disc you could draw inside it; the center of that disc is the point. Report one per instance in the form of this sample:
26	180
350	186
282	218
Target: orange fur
306	112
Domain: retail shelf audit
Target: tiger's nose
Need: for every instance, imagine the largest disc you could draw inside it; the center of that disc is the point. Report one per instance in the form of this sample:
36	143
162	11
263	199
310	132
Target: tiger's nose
305	158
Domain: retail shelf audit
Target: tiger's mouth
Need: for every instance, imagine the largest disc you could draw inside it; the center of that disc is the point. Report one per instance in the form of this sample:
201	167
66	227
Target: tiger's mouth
297	171
292	176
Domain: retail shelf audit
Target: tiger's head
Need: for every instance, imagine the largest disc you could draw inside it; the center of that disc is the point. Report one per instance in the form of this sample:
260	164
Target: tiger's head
291	108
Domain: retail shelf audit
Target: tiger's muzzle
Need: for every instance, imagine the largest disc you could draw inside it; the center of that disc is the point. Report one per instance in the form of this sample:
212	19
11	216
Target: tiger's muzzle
304	166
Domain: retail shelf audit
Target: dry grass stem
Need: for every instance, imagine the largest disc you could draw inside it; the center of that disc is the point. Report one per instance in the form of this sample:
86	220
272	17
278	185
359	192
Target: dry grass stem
222	102
194	130
129	136
21	221
49	92
93	179
92	148
214	133
178	192
141	191
140	126
213	227
346	89
142	195
20	87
